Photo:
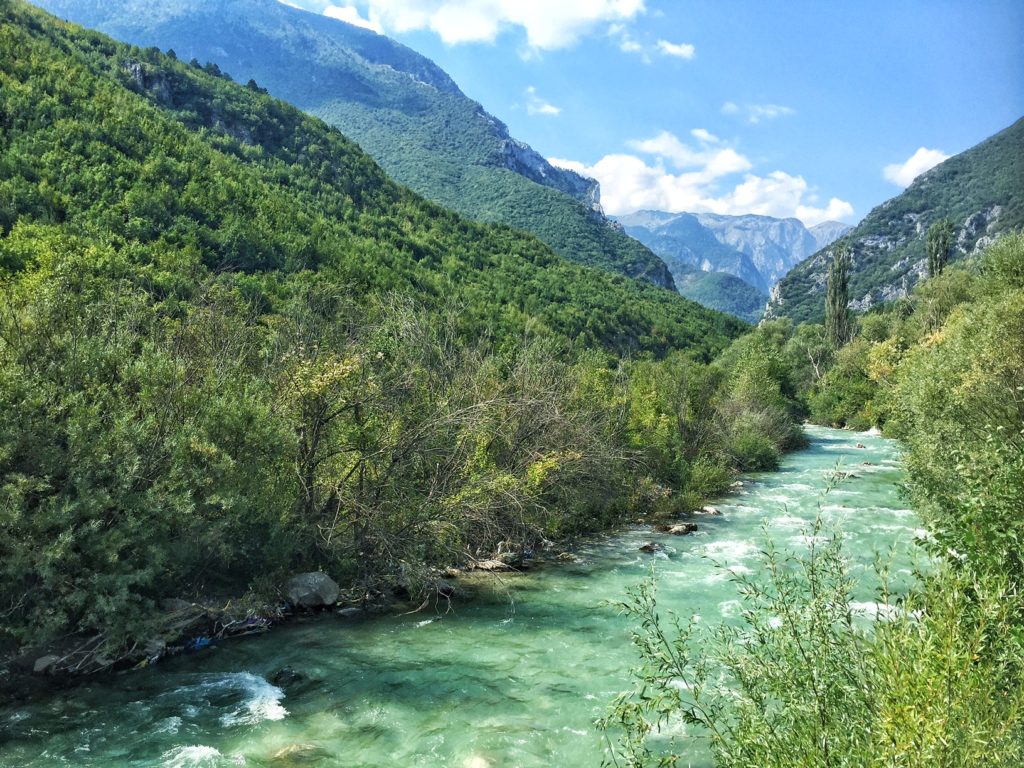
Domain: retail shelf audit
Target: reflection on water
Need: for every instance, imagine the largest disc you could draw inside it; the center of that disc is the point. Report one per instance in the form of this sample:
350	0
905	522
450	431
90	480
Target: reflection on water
513	681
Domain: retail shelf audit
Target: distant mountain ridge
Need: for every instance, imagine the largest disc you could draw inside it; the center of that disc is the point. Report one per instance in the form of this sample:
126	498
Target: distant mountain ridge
980	190
398	105
756	251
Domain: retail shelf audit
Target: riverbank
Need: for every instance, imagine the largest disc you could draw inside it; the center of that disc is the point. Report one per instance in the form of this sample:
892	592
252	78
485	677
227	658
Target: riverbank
516	677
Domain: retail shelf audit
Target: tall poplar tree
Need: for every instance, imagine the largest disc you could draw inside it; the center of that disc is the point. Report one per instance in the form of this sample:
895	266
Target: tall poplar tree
837	299
937	242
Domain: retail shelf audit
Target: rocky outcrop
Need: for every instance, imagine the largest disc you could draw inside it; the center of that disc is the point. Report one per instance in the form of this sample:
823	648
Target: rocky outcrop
978	190
759	250
827	232
526	161
311	590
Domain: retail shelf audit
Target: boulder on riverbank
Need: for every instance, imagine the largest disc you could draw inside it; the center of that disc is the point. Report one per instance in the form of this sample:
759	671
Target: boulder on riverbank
490	565
312	590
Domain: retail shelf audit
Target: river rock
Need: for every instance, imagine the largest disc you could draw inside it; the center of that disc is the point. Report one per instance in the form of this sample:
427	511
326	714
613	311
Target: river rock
651	547
491	565
298	754
860	445
45	664
351	612
683	529
286	676
311	590
709	510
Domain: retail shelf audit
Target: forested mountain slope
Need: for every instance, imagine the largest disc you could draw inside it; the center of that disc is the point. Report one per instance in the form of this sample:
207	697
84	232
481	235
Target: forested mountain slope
144	150
396	104
981	191
720	291
232	348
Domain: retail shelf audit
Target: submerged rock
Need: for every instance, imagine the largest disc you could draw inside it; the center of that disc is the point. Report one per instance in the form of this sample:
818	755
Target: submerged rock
651	547
312	590
286	676
298	754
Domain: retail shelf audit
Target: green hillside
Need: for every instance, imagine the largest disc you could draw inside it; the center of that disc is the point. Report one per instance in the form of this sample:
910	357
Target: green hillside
981	191
721	291
168	162
232	349
397	105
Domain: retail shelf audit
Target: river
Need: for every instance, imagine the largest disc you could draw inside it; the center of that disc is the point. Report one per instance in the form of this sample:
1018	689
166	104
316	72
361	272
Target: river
512	681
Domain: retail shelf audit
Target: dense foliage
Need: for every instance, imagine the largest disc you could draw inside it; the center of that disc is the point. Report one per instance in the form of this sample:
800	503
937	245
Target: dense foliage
721	291
400	107
979	190
231	348
837	298
938	679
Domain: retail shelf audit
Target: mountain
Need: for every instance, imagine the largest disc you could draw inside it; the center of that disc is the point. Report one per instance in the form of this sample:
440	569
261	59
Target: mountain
174	165
703	249
397	105
756	249
721	291
980	190
774	246
681	240
828	232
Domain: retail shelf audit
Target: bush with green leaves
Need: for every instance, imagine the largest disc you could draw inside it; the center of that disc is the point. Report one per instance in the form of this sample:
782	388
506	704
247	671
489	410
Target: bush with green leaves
803	679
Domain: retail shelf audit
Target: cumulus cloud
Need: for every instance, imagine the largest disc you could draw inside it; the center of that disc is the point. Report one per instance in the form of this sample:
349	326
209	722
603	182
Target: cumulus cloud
350	15
548	25
705	136
535	105
756	113
901	174
698	182
679	50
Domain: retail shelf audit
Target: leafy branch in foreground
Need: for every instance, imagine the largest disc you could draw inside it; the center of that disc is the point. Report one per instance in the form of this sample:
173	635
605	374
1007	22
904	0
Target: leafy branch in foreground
803	680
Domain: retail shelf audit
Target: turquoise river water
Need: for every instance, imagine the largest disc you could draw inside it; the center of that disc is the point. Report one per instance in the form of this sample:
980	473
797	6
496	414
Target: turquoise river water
516	680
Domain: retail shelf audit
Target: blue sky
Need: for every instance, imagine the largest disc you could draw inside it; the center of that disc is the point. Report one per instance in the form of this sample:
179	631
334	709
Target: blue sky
814	109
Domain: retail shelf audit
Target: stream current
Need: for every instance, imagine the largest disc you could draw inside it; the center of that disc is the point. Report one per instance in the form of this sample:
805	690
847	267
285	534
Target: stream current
514	680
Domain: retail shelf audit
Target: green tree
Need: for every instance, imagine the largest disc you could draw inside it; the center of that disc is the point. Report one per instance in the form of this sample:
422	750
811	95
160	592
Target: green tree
837	311
938	241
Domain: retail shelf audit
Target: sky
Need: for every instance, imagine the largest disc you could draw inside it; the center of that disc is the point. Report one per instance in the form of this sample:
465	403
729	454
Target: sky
818	110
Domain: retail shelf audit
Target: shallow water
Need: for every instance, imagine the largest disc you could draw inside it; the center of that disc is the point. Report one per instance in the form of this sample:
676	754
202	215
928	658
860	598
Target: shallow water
513	681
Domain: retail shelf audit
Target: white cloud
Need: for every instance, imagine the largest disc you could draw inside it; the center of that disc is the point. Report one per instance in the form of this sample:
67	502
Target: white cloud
901	174
713	161
350	15
704	136
755	113
548	25
699	183
680	50
535	105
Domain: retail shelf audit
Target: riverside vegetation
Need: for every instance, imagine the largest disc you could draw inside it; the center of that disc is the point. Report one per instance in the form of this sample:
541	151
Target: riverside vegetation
937	680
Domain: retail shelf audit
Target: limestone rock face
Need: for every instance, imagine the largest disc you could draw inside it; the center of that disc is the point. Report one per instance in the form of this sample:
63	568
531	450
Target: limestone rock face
311	590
